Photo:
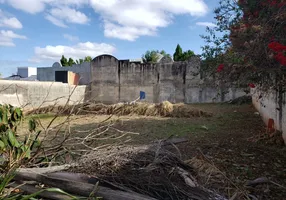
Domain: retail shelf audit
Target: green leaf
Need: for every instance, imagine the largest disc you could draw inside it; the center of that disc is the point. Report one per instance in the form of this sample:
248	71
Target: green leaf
18	111
4	140
1	113
4	116
12	139
32	125
2	145
3	127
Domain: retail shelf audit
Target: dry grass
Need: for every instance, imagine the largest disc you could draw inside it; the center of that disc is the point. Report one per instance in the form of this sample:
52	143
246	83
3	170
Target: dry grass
148	169
164	109
226	140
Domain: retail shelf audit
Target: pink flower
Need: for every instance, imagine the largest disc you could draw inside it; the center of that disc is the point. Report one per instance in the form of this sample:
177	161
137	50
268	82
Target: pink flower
251	85
220	68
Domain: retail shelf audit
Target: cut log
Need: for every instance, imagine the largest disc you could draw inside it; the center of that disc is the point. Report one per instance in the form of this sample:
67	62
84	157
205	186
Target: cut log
80	188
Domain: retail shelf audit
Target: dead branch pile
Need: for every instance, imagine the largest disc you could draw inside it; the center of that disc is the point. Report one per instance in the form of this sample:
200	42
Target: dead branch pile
164	109
150	170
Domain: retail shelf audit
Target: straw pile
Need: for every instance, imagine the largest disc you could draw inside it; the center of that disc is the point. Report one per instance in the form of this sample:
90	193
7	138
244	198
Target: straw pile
164	109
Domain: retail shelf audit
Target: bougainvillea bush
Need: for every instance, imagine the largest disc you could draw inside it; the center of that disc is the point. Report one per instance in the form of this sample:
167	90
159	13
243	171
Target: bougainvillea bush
248	45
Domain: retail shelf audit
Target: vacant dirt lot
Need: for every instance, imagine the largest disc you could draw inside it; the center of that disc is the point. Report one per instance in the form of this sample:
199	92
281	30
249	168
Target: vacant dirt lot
228	141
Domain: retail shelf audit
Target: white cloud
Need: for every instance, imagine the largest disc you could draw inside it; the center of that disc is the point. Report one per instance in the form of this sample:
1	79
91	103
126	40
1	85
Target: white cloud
56	21
131	19
6	38
77	3
209	24
30	6
10	22
37	6
129	33
77	51
63	15
69	15
122	19
71	37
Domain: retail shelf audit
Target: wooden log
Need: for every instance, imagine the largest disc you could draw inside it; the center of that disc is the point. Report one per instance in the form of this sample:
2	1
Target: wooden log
80	188
78	177
31	189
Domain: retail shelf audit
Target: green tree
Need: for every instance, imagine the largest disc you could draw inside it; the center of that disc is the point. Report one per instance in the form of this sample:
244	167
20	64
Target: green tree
178	53
150	56
64	61
87	59
165	54
71	62
153	56
187	54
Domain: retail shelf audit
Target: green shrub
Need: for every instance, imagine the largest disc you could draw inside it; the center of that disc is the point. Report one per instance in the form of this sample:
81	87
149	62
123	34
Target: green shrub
14	151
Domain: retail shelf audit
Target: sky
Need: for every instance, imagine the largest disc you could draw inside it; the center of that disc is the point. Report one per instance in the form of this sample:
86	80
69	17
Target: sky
36	33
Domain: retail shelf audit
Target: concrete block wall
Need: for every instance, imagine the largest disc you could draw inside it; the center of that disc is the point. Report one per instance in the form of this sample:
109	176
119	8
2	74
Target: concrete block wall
105	79
31	94
136	77
116	81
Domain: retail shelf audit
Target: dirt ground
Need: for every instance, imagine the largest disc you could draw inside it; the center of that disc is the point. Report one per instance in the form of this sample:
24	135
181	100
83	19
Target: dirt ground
228	141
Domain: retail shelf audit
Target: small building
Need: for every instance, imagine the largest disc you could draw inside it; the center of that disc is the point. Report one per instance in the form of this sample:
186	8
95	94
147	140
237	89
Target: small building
25	72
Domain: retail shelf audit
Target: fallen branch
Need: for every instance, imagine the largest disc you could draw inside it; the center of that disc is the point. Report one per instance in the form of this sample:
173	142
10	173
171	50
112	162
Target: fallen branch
80	188
44	170
261	180
189	179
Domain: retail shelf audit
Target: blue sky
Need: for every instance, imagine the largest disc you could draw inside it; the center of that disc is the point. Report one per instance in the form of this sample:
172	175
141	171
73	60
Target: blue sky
37	32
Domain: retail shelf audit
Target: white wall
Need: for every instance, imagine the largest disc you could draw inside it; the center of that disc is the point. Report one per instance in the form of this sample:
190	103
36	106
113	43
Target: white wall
32	71
270	107
25	72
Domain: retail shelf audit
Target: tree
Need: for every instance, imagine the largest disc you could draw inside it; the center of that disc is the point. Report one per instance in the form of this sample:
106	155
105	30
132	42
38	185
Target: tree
252	48
150	56
187	54
87	59
179	55
71	62
165	54
153	56
64	61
